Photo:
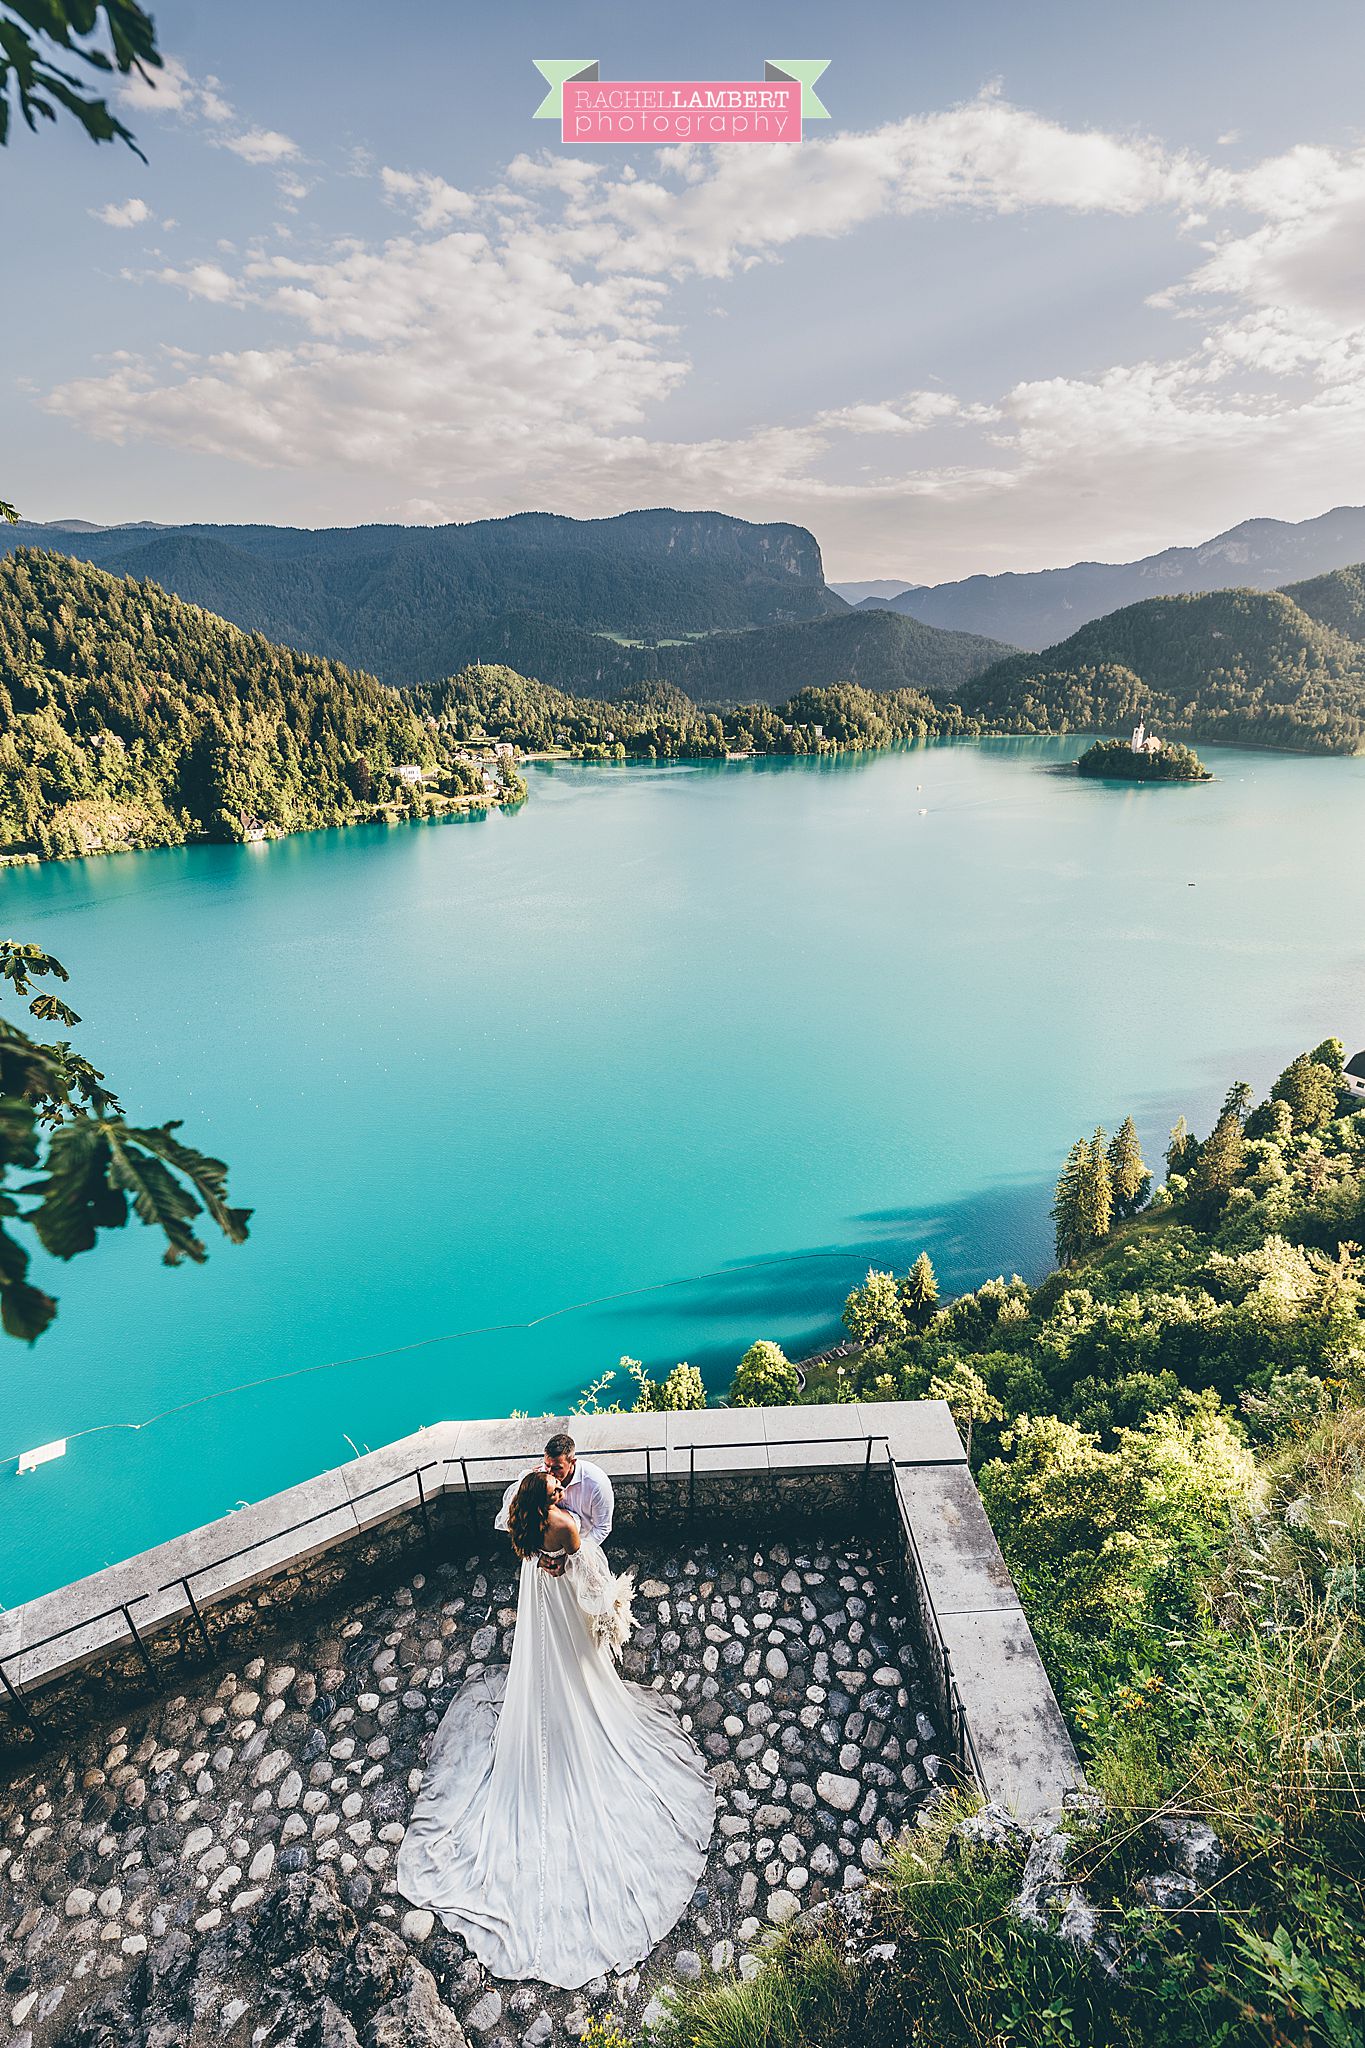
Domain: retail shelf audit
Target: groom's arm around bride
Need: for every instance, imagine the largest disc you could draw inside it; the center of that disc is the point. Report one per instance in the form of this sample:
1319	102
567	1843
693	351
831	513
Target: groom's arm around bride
587	1492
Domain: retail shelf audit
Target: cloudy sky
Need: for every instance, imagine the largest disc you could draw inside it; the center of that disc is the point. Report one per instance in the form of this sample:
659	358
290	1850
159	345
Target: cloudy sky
1056	281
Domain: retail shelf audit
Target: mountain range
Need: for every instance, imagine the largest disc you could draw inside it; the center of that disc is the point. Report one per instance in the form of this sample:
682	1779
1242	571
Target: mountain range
1037	610
410	603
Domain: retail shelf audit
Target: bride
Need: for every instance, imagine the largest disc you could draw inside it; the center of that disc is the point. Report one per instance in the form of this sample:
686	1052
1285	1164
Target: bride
565	1816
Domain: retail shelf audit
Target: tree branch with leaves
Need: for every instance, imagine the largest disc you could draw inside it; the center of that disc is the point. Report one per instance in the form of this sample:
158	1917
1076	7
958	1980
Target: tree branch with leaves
38	41
60	1122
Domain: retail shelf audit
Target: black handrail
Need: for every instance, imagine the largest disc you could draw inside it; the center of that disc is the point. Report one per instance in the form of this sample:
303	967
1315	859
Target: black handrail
960	1726
185	1580
123	1607
777	1443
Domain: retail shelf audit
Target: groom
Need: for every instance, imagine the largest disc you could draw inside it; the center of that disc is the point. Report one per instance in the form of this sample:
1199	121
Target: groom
587	1493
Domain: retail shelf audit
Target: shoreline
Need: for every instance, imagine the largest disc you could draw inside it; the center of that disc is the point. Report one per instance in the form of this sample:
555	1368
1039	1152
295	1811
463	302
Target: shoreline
393	815
466	805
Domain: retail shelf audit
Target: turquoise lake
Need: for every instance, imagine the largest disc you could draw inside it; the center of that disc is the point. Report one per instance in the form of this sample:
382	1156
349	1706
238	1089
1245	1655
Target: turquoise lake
656	1065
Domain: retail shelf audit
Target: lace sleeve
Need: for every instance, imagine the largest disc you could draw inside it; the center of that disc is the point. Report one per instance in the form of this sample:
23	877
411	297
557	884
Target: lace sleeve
604	1598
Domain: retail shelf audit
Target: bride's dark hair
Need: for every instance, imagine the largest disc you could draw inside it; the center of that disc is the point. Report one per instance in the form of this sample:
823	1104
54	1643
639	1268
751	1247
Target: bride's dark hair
529	1515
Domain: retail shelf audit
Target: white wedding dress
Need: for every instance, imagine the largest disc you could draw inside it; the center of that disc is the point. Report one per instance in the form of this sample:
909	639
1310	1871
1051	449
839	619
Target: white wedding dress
565	1816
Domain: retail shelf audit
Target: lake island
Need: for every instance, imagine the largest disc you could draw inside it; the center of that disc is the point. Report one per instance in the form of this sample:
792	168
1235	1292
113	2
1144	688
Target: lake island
1144	758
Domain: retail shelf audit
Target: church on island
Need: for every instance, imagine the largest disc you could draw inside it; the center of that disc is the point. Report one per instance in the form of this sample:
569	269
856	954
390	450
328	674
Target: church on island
1142	743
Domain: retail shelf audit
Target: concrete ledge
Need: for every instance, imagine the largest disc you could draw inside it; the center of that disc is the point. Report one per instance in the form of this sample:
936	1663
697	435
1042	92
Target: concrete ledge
752	1464
989	1667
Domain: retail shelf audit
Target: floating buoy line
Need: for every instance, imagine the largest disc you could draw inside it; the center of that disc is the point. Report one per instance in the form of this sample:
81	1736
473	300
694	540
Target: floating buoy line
28	1461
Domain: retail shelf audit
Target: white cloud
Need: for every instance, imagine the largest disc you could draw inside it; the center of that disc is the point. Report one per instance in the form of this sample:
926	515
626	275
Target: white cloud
204	281
172	90
431	199
261	146
907	415
511	347
987	156
131	214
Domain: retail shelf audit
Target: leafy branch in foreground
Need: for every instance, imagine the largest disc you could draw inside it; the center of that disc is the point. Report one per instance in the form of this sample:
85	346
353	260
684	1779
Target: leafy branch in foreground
33	33
60	1121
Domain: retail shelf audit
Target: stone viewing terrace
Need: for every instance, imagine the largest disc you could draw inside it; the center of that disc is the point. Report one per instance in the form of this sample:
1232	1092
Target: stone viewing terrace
211	1751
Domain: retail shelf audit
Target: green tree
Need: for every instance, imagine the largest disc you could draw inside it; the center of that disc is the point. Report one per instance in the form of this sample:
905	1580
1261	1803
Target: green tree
1219	1162
1181	1150
765	1378
919	1290
971	1400
1098	1211
1083	1207
873	1311
682	1388
1272	1119
1130	1178
1310	1089
60	1121
1068	1203
1330	1054
1238	1101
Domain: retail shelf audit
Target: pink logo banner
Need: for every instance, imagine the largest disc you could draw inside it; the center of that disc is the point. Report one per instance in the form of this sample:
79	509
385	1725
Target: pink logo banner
681	110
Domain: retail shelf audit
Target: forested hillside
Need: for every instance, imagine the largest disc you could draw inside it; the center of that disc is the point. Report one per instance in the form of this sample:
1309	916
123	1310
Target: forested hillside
1336	600
659	722
1240	665
129	718
411	602
878	650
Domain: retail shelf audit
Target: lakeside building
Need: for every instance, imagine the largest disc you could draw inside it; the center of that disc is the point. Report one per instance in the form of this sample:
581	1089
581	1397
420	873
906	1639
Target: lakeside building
1355	1074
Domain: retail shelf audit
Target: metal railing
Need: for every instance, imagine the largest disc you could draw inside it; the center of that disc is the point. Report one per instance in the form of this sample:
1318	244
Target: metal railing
186	1580
123	1607
784	1443
959	1729
959	1722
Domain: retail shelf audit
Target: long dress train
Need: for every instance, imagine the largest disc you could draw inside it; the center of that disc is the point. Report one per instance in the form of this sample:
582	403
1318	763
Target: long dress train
565	1815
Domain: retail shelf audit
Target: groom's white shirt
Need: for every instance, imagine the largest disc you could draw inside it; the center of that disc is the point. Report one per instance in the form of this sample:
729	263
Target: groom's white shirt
588	1497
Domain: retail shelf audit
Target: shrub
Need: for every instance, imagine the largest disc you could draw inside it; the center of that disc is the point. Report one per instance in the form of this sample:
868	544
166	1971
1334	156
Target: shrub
766	1378
683	1388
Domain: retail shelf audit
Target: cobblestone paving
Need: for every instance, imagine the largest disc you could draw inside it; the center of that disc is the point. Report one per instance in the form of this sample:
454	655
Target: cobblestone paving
217	1867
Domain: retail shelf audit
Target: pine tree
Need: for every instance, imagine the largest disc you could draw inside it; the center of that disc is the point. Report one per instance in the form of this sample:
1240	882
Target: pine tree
1180	1153
1310	1089
919	1290
1237	1101
1098	1210
1068	1204
1216	1169
1131	1180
